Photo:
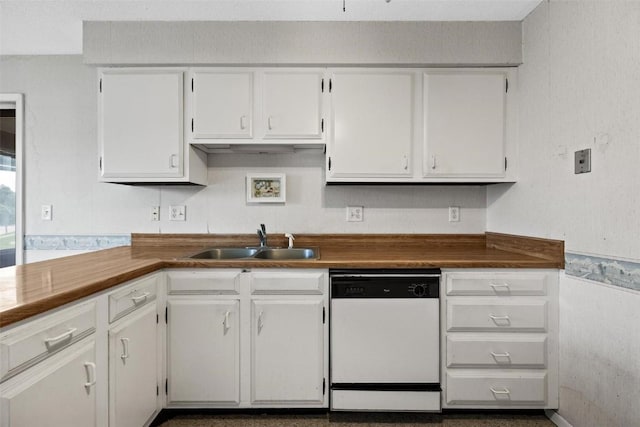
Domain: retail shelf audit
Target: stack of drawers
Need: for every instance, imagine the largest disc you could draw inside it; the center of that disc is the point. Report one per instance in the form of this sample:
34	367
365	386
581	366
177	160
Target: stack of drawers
500	338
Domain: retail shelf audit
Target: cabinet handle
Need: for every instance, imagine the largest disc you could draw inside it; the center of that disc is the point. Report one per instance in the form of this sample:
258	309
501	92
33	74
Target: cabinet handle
433	162
243	122
503	391
125	348
497	319
270	122
52	341
173	161
225	322
505	354
139	298
91	375
260	322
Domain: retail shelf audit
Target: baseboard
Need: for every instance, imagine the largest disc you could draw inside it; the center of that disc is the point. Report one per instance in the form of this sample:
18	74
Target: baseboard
556	418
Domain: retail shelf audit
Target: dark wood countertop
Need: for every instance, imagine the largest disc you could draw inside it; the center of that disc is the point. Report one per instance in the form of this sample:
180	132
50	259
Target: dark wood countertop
31	289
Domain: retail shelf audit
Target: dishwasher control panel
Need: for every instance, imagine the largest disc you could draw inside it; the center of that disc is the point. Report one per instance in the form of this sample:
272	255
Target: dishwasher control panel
355	284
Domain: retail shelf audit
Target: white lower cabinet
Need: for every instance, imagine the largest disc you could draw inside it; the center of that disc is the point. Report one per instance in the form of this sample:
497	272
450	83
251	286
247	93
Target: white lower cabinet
500	338
287	338
133	361
203	350
60	391
239	338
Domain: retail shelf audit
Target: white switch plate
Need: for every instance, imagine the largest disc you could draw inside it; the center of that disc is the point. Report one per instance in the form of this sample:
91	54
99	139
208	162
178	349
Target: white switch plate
177	213
46	212
155	213
355	213
454	214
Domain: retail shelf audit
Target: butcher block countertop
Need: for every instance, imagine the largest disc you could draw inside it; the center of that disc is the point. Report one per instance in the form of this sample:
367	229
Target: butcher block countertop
31	289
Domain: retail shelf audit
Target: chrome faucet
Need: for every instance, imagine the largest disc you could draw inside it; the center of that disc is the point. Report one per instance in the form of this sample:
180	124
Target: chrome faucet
262	235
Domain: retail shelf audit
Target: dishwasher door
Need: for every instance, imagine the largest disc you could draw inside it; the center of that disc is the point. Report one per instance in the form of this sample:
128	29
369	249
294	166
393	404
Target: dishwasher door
385	341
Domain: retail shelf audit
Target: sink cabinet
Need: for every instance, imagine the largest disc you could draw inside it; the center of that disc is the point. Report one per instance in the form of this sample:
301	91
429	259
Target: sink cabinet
239	338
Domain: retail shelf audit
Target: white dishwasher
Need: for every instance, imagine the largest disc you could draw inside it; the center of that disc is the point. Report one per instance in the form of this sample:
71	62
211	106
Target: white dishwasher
385	340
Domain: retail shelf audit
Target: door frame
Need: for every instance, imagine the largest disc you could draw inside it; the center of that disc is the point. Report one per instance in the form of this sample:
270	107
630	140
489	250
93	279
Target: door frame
16	100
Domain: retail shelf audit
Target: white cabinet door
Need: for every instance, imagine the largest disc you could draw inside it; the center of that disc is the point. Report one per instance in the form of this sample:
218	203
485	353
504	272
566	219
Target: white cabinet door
464	118
222	104
292	104
372	127
60	391
141	123
287	359
133	362
203	350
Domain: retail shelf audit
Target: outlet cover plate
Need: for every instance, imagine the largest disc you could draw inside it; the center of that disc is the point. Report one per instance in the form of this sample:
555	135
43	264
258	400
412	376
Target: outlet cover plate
46	212
178	213
355	213
454	213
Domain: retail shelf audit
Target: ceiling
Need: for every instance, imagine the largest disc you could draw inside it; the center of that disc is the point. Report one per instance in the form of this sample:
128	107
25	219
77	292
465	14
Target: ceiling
30	27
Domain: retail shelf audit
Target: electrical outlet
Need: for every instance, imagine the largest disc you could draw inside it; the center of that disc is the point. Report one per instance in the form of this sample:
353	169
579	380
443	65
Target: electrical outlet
177	213
46	212
355	213
155	213
454	214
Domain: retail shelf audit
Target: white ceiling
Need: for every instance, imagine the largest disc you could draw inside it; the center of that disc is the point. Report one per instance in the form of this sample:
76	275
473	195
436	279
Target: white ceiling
30	27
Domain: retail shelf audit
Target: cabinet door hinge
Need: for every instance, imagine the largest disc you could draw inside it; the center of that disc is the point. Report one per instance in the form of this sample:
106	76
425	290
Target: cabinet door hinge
101	164
505	163
191	125
157	318
166	315
322	86
329	163
192	85
324	386
166	386
100	85
157	390
330	85
324	315
506	85
322	125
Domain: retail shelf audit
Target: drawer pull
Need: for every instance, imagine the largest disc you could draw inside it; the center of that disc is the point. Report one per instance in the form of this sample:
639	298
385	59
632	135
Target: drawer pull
139	298
49	342
91	375
499	392
503	355
125	348
500	320
497	287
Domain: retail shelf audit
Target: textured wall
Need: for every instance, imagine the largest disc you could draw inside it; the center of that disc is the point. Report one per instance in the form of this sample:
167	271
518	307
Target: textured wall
427	43
62	163
580	88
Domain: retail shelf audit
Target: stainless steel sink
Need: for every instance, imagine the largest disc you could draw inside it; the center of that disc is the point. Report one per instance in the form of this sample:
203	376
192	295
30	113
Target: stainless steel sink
287	253
258	253
225	253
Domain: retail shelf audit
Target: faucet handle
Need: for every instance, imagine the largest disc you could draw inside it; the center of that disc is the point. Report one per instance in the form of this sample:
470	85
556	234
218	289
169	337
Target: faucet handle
264	229
291	239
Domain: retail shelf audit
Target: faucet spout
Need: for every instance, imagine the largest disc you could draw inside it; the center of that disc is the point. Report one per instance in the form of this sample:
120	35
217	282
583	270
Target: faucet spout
262	235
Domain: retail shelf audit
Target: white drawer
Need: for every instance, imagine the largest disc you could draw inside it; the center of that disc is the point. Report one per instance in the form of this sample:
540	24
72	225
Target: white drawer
132	297
33	342
496	350
289	282
495	283
496	315
204	281
492	388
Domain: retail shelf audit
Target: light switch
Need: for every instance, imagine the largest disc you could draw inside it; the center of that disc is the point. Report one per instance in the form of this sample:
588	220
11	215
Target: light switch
583	161
46	212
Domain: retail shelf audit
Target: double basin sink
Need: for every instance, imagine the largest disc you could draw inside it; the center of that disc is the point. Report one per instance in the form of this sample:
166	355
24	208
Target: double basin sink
258	253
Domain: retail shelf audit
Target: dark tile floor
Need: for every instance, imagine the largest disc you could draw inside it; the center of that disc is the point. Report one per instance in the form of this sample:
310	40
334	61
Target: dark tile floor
358	420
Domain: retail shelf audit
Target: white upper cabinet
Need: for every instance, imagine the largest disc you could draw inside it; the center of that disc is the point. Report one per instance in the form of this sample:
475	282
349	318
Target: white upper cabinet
222	104
256	106
372	124
464	123
292	104
140	127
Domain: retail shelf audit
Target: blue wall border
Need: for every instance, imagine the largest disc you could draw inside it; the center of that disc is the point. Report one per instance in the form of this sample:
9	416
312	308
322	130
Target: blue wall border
75	242
612	271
